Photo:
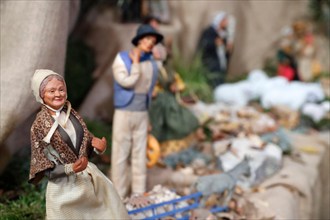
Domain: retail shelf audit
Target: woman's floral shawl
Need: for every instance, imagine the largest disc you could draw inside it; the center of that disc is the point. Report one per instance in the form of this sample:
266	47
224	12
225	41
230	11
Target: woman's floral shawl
39	129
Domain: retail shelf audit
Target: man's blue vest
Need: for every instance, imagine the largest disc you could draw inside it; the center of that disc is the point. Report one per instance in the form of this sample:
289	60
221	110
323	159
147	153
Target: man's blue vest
123	96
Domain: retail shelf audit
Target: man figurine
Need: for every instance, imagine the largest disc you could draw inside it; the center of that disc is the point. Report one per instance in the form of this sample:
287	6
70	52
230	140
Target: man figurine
135	74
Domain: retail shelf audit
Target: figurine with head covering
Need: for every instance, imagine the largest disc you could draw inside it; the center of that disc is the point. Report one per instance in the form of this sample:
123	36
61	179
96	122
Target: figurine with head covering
215	47
60	147
135	74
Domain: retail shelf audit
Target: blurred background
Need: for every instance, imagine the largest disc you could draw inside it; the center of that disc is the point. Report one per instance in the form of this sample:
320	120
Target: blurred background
79	40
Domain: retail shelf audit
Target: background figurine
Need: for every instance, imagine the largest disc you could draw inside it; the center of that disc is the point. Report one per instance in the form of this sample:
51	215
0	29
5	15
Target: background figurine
287	63
219	183
216	45
170	120
60	146
135	74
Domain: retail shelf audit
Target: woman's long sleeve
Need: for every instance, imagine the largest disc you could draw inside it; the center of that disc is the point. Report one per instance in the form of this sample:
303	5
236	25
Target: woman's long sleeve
57	172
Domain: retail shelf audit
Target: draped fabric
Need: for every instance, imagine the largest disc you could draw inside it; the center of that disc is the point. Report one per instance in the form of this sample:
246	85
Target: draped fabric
86	195
170	120
37	31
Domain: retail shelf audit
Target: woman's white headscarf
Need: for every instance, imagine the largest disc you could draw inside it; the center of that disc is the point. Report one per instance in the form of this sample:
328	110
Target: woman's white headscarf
217	19
37	78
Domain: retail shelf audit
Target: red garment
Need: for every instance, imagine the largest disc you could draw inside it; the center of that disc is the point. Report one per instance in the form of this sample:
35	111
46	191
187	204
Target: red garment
309	38
285	71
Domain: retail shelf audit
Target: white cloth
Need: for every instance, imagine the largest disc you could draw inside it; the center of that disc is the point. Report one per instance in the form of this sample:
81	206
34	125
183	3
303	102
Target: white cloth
69	128
221	51
86	195
217	19
271	91
231	28
316	111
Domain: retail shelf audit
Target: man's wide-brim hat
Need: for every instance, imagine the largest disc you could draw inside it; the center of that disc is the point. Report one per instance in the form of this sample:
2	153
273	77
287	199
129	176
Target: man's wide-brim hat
145	30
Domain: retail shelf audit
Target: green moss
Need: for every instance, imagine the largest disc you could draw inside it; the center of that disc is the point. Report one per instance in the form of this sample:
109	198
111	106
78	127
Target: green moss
19	199
194	76
30	204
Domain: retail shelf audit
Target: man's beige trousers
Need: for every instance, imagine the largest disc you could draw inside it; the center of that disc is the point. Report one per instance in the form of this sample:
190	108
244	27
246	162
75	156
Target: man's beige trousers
129	143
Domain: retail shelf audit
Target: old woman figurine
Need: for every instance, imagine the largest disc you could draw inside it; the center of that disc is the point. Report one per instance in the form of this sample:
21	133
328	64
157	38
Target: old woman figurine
60	147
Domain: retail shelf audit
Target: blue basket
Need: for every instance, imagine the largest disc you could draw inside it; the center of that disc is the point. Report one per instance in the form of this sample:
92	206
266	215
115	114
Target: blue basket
182	210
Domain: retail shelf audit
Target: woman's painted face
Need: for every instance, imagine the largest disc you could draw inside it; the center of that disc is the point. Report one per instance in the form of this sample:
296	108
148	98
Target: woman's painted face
55	94
147	43
223	24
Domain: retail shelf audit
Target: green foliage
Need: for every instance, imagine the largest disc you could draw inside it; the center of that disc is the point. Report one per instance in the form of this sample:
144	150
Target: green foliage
29	205
20	200
194	76
323	74
78	70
